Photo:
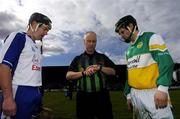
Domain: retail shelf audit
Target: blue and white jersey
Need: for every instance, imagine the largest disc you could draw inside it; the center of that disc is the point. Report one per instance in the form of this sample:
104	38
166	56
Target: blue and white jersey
23	56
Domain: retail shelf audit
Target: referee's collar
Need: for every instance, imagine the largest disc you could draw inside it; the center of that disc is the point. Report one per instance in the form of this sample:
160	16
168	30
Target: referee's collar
90	55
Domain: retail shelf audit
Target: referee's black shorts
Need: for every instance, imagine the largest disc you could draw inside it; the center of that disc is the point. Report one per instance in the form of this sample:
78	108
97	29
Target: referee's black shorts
91	105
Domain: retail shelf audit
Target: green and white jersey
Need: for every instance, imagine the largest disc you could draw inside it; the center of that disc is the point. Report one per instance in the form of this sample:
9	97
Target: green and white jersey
149	63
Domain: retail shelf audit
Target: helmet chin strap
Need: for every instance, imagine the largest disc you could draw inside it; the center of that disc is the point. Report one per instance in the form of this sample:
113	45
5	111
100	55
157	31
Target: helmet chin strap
31	28
34	30
128	40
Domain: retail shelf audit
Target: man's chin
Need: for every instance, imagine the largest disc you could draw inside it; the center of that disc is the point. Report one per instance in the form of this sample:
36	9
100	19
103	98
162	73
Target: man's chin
126	40
40	38
90	51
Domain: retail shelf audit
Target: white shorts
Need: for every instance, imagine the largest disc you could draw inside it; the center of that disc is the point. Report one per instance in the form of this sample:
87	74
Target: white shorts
144	106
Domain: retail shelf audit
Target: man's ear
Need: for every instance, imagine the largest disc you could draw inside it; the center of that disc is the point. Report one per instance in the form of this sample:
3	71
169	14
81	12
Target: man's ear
33	24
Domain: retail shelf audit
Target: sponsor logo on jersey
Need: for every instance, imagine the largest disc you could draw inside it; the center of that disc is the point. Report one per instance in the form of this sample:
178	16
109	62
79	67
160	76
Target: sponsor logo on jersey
133	63
35	67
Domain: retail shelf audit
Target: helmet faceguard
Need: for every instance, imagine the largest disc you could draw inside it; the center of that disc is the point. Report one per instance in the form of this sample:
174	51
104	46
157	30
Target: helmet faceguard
124	23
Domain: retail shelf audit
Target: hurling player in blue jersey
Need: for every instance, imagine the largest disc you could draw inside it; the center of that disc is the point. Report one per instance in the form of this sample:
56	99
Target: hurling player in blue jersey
20	69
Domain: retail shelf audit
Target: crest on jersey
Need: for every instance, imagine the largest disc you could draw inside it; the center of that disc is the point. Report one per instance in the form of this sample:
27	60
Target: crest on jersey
140	44
36	63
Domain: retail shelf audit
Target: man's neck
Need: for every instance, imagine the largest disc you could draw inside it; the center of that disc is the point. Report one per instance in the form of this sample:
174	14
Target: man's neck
90	53
30	34
134	37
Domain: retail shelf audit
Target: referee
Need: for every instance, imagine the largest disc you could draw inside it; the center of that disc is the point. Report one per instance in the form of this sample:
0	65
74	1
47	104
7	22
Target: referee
90	69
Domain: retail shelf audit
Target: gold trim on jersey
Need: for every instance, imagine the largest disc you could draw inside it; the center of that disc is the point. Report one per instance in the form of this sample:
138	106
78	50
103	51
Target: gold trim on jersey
158	47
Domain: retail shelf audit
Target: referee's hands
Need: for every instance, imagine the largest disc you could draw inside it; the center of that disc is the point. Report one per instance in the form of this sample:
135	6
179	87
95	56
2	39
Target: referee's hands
160	99
91	70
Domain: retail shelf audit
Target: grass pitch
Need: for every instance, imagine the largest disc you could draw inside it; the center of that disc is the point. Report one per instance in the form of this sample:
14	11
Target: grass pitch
63	108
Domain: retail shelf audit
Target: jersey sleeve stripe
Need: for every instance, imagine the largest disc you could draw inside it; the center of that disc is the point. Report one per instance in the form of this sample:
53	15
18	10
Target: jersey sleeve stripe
7	63
12	49
158	47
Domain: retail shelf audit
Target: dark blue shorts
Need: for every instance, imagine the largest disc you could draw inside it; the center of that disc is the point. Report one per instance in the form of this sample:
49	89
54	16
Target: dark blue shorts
28	100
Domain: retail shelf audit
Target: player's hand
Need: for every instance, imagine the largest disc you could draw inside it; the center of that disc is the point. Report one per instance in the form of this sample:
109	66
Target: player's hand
129	104
9	107
160	99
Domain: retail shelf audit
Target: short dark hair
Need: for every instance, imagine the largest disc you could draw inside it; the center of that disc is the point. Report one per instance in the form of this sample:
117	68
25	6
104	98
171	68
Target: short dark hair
40	18
124	22
92	32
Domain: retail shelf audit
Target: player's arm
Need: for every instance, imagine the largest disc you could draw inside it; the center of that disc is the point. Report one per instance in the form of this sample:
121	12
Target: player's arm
9	106
165	63
127	93
10	53
126	86
126	90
